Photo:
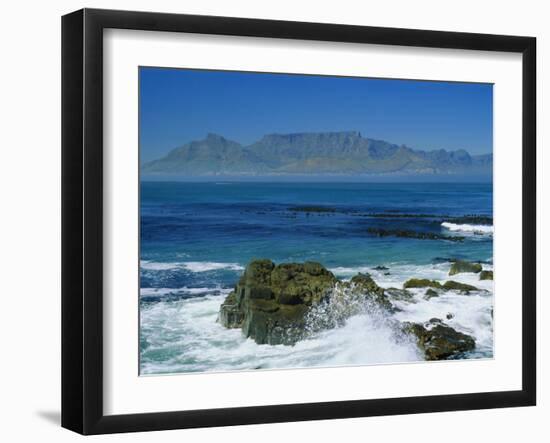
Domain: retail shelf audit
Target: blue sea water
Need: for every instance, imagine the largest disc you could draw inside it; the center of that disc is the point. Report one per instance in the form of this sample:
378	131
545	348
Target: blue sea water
196	239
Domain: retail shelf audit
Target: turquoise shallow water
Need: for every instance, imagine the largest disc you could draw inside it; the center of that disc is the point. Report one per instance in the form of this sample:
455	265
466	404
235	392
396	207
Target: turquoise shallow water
196	239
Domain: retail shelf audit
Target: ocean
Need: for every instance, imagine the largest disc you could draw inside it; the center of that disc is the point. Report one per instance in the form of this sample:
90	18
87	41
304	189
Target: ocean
196	239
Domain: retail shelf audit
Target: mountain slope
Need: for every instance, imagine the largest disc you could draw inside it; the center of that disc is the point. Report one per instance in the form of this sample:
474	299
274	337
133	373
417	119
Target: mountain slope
312	153
213	155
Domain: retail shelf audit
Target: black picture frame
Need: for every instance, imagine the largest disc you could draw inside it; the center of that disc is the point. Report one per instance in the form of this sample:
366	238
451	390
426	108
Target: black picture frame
82	218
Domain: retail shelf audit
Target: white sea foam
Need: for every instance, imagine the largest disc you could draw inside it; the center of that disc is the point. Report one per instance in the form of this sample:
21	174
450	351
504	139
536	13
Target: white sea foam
474	229
186	332
193	266
396	274
470	314
199	266
399	274
156	266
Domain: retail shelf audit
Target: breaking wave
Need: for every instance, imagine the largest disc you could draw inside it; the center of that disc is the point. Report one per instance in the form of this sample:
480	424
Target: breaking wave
182	335
193	266
473	229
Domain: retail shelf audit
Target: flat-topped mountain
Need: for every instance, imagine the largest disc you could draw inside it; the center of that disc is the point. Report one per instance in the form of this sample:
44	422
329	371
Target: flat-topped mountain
312	153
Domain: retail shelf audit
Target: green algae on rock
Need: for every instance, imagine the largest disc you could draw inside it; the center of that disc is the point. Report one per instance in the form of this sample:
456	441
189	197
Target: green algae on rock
460	266
452	285
271	302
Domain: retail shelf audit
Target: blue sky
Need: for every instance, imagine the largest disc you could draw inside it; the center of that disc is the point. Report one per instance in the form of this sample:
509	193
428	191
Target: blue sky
179	105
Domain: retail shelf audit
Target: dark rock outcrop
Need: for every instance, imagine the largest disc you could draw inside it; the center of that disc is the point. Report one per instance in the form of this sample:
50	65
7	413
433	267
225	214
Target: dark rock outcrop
460	266
271	302
486	275
439	341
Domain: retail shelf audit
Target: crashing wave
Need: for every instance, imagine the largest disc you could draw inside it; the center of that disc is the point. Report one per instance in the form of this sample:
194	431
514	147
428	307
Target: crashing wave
473	229
193	266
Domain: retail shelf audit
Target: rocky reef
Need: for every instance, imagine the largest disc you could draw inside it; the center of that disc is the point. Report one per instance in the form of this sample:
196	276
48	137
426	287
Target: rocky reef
449	285
284	303
380	232
315	209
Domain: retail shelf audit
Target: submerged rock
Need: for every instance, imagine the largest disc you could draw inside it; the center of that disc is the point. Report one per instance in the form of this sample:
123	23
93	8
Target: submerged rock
314	209
460	266
439	341
380	232
486	275
430	293
273	303
401	295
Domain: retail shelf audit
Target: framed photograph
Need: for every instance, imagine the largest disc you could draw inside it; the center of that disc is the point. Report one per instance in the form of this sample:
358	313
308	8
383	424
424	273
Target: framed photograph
268	221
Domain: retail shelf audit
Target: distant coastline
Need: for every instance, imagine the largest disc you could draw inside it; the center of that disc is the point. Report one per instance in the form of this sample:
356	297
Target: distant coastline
333	156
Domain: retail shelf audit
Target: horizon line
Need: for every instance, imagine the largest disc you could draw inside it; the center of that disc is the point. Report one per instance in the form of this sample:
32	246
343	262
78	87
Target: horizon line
405	179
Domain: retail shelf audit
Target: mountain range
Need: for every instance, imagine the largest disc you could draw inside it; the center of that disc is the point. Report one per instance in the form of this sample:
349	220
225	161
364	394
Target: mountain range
312	153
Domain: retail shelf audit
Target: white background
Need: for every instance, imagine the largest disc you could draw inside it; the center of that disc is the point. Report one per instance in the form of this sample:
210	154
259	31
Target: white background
30	242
